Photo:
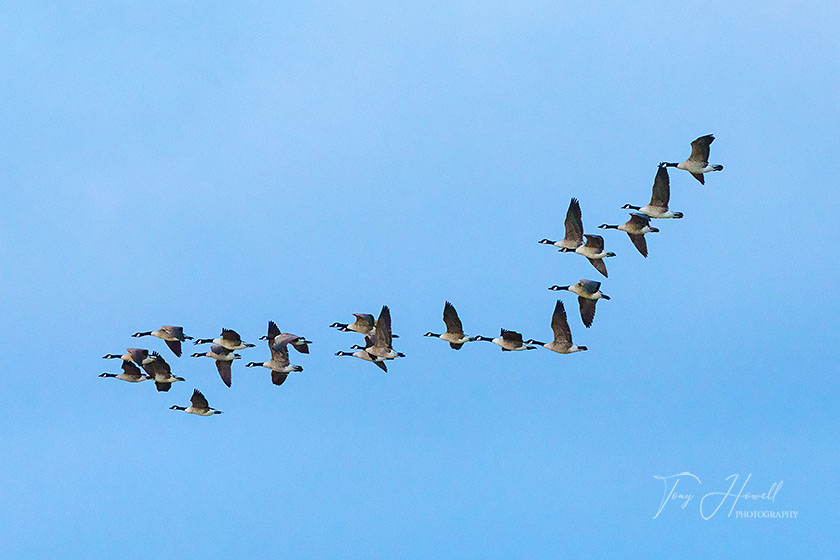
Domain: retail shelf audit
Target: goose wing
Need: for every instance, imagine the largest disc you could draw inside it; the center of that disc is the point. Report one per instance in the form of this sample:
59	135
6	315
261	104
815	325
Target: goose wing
163	387
280	350
224	368
451	320
661	189
590	286
511	336
638	240
599	265
231	336
273	331
560	326
364	321
383	328
198	401
278	377
177	332
456	345
175	346
594	241
700	148
587	310
699	177
574	222
300	344
138	355
131	370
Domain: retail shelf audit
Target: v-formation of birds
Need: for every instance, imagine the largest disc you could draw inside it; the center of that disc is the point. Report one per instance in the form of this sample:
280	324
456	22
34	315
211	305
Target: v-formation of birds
141	365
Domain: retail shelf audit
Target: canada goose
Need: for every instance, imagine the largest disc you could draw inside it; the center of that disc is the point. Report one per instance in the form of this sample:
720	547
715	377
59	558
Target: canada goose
160	371
636	227
172	336
454	334
229	339
380	343
298	342
279	362
698	162
574	229
199	405
365	324
136	355
224	359
593	250
562	343
658	207
364	355
509	341
130	373
588	292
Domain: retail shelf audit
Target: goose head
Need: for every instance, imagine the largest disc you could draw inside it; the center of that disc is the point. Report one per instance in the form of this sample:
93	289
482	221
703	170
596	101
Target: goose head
556	288
631	207
546	241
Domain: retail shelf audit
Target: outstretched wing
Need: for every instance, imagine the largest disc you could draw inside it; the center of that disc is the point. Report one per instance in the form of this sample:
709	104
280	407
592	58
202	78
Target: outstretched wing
700	148
278	377
595	241
599	265
451	320
640	243
591	286
175	346
511	336
231	336
587	310
198	400
574	222
383	328
560	325
661	194
224	368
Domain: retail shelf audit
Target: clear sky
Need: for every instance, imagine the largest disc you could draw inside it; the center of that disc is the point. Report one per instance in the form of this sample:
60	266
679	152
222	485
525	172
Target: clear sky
224	164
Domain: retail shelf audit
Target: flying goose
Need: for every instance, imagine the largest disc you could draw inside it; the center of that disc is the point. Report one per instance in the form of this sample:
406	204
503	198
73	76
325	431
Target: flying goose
136	355
130	373
198	405
279	362
588	292
454	334
698	162
364	355
160	371
172	336
562	343
298	342
658	207
593	250
380	343
574	229
636	227
224	359
229	339
509	341
365	324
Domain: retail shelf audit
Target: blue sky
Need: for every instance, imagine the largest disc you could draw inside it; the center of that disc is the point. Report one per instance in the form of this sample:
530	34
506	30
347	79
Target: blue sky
209	165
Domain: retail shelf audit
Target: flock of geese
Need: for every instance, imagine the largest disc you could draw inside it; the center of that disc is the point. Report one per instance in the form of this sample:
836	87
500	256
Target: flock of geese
140	364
